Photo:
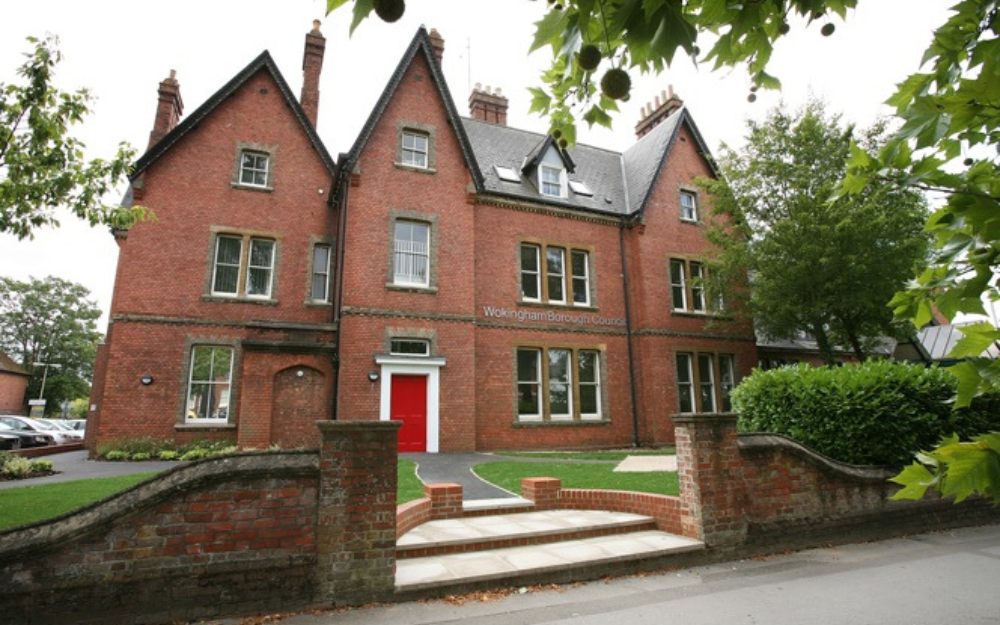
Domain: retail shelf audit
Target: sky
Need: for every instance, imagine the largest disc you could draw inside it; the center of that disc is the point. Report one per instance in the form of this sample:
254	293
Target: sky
121	49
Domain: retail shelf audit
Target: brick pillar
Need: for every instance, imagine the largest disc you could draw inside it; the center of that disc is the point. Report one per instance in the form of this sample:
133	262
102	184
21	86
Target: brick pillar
711	479
545	492
446	500
356	531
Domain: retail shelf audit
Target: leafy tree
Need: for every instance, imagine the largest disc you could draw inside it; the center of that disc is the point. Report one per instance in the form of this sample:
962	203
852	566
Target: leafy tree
50	321
825	268
42	166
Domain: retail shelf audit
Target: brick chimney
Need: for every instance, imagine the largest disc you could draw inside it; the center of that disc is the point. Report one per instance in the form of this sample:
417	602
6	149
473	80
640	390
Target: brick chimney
169	109
312	64
437	44
487	105
652	115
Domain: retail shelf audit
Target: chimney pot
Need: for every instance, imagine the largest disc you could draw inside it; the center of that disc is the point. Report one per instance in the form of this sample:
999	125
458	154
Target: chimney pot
650	116
488	105
437	44
312	65
169	108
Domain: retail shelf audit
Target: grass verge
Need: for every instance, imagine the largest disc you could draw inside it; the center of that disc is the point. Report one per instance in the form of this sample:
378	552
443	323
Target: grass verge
29	504
508	475
610	455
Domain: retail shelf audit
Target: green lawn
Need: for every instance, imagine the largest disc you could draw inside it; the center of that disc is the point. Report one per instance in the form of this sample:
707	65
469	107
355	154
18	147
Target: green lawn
610	456
508	475
19	506
409	487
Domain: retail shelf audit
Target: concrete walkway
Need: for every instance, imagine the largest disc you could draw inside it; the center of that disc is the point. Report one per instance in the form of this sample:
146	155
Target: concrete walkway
73	465
457	469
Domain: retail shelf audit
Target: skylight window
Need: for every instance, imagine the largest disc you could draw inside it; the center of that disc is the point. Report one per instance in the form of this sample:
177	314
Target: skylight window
580	188
507	174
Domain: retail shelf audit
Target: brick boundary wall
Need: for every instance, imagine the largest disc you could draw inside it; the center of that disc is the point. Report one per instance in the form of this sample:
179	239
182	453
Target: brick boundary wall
242	534
759	493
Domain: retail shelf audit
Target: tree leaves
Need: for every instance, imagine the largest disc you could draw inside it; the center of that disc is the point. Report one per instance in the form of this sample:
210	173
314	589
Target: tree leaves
957	469
42	166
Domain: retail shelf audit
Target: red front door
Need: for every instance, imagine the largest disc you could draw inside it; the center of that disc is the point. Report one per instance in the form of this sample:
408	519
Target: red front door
408	403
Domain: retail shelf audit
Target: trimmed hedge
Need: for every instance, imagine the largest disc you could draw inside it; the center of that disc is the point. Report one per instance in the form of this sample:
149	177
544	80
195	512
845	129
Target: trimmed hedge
879	412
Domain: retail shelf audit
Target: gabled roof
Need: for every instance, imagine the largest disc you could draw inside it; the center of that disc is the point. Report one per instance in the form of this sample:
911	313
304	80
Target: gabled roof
7	365
622	183
644	161
535	156
420	44
262	62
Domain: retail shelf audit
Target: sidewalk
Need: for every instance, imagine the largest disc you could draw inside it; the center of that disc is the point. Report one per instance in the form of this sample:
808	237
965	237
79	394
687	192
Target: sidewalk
947	577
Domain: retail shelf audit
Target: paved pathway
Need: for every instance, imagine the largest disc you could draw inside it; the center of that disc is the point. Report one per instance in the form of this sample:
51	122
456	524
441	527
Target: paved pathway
457	469
73	465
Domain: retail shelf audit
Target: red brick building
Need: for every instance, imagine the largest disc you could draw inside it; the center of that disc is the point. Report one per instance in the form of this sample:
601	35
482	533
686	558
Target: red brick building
475	281
13	386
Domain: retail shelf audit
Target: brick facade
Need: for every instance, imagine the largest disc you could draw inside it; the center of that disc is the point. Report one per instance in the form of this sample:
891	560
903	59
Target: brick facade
416	161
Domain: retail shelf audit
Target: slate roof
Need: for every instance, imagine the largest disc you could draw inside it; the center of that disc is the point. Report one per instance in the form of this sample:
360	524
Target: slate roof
621	182
262	62
7	365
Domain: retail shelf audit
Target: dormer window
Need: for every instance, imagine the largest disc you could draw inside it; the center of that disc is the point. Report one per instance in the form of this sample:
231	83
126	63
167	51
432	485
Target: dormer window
552	180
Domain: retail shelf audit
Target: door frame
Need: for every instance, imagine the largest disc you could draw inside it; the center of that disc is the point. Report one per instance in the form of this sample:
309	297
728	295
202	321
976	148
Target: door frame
429	367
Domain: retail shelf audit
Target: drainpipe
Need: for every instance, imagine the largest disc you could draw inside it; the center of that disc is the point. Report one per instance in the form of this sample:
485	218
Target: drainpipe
338	306
628	335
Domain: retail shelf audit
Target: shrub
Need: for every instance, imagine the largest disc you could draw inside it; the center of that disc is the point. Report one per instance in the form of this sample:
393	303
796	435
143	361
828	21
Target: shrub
117	454
140	456
168	454
132	446
5	457
17	467
879	412
195	454
41	466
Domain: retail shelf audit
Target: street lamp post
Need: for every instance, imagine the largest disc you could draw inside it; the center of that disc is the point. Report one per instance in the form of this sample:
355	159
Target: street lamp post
45	374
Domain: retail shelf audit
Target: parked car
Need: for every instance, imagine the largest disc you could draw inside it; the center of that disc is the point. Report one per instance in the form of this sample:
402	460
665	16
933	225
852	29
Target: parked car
59	435
9	442
28	438
80	425
60	424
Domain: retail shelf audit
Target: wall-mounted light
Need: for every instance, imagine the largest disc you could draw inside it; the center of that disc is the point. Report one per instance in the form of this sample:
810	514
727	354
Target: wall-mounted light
300	373
146	380
373	376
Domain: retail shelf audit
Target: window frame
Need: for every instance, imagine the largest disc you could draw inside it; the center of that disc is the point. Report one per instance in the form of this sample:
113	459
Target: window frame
404	150
402	279
243	266
394	351
323	272
546	384
258	150
544	183
541	277
694	387
253	169
229	394
691	286
689	213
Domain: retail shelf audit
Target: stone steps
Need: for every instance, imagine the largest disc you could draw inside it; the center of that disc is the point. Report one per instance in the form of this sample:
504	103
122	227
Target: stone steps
458	555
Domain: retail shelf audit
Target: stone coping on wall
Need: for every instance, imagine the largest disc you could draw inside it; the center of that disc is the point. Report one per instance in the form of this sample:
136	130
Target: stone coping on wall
756	443
15	543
